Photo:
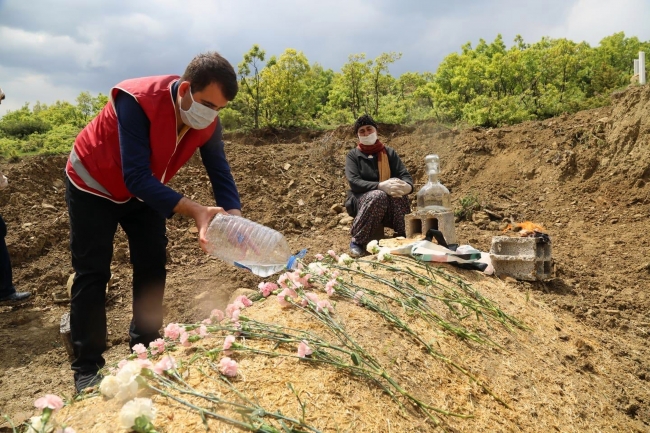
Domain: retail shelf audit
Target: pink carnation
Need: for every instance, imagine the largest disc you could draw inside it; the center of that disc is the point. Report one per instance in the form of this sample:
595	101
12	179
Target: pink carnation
282	280
140	350
281	298
358	296
231	308
228	367
227	344
335	274
333	255
319	257
309	296
144	363
173	331
267	288
329	287
235	315
166	363
122	363
184	339
49	401
324	305
244	300
206	321
304	350
304	280
203	331
217	314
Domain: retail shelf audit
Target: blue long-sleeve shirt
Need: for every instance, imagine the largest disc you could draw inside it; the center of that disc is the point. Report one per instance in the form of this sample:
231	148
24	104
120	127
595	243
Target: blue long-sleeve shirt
135	149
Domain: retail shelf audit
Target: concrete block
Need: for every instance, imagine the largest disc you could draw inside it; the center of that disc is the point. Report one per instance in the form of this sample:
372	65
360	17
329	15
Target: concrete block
522	258
419	222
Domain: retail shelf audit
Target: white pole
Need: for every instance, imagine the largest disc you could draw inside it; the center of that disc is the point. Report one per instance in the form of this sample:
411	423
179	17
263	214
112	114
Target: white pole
636	66
641	67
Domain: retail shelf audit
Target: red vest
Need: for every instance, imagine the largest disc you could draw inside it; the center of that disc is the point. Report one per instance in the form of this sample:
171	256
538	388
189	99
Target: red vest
95	163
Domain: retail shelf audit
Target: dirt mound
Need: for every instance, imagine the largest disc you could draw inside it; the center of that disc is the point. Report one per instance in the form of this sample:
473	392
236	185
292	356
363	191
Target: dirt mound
450	366
583	177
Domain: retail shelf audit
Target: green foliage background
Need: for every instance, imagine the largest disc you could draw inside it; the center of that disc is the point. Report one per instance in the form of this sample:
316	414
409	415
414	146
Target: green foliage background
486	85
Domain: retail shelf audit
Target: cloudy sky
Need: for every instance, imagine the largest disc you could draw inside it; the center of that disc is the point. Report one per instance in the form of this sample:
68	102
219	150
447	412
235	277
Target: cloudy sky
54	49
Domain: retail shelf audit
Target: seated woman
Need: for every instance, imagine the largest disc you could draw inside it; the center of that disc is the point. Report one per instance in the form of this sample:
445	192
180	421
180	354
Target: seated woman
379	184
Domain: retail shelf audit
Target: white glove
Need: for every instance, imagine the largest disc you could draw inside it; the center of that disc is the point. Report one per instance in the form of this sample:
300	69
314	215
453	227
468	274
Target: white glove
389	186
402	188
394	187
3	182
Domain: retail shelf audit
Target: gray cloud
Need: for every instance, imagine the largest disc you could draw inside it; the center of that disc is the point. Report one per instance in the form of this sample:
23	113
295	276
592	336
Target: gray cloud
54	50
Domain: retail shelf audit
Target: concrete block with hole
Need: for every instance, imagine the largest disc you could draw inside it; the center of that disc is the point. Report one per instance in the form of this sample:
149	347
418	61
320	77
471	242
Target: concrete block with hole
523	258
419	222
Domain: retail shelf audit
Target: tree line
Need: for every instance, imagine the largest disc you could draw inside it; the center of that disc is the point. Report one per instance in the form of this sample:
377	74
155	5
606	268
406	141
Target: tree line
485	85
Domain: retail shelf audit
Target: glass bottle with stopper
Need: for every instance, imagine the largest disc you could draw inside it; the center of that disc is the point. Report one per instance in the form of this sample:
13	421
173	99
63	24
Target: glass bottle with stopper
433	196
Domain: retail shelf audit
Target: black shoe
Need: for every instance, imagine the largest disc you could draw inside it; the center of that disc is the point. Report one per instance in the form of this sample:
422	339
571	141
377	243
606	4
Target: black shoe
16	296
356	250
86	381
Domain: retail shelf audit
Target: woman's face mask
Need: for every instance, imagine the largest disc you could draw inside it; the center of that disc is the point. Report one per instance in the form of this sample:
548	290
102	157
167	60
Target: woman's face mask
198	116
368	140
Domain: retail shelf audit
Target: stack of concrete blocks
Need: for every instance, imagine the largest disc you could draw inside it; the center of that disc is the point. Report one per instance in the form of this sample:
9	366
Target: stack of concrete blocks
522	258
419	222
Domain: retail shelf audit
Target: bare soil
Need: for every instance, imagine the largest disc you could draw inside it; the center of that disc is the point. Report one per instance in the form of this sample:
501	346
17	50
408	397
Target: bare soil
583	177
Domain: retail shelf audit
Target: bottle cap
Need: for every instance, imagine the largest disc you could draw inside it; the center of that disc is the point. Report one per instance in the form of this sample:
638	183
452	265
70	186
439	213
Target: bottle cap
292	260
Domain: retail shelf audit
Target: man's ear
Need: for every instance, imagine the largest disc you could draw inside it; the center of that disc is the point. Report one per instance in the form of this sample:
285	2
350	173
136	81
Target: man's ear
183	88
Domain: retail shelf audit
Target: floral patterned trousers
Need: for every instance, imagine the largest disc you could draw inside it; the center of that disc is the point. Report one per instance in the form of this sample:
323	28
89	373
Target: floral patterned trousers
375	208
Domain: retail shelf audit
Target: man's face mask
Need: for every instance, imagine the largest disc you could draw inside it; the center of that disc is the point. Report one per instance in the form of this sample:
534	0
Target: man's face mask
198	116
368	140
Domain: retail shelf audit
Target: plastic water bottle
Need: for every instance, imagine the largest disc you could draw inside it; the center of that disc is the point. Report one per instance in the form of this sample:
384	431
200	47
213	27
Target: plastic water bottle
249	245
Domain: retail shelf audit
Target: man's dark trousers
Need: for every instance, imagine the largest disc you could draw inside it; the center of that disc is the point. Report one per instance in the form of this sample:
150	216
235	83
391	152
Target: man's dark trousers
93	223
6	280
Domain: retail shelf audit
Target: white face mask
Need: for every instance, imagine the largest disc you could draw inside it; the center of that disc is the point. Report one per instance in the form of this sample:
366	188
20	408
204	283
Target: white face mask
198	116
368	140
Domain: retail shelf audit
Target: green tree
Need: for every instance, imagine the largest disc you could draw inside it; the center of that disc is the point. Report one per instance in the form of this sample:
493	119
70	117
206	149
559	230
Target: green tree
380	79
251	81
286	85
354	78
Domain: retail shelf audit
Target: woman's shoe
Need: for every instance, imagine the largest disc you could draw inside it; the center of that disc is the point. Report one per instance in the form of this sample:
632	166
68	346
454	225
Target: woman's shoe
356	250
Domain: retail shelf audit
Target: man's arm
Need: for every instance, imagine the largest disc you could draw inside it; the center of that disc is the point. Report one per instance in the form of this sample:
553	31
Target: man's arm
216	164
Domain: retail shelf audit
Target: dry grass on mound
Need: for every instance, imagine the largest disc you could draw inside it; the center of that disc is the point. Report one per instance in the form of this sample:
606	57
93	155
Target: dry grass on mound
502	362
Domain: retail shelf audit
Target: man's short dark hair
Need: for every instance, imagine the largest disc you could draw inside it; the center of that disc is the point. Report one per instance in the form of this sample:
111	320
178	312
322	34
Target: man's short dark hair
211	67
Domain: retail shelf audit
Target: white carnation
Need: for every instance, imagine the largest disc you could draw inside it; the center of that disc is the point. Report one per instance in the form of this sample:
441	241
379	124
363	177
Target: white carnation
384	255
127	390
317	268
345	259
110	386
134	409
36	425
372	247
126	380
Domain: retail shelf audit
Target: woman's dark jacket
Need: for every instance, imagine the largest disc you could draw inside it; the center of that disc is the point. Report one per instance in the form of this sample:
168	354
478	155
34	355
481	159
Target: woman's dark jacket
363	175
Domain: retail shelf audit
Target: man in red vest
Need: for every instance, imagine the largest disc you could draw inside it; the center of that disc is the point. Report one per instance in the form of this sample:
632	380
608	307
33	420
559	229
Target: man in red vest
117	174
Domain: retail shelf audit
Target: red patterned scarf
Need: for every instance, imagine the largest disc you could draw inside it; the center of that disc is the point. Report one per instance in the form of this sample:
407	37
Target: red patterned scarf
382	158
